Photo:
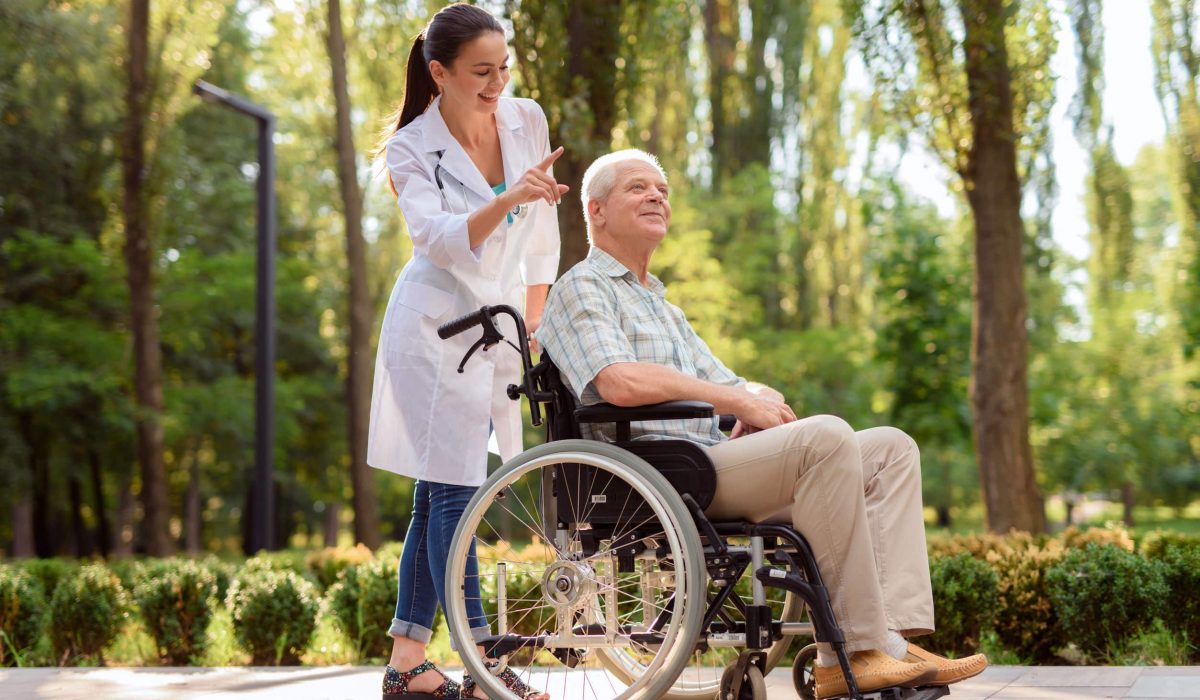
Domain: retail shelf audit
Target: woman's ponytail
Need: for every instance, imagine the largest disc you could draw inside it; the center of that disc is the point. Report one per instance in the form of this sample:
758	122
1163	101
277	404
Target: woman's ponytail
419	91
419	88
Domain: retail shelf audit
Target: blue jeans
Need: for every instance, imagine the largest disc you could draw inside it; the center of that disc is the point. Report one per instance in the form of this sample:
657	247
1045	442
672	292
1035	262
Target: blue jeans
422	576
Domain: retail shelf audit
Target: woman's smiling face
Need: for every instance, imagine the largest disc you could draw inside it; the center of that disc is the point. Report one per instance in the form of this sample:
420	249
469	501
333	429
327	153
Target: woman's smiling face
475	79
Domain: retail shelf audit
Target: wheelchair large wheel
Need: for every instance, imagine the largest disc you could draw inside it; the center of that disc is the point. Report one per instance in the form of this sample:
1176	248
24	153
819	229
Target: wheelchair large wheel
594	553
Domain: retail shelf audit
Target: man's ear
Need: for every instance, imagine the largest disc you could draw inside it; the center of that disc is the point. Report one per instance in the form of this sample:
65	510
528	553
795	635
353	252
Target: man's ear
595	211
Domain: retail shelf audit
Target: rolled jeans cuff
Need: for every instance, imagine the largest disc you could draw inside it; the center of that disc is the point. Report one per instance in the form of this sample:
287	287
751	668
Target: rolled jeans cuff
477	633
410	630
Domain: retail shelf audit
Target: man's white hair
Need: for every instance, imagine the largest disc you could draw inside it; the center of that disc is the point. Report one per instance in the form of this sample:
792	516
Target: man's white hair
601	176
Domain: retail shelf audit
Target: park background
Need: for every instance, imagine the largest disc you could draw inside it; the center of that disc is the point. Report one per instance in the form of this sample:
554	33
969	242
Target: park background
851	207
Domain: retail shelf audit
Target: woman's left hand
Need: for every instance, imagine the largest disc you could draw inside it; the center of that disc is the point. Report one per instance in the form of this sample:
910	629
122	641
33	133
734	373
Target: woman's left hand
531	325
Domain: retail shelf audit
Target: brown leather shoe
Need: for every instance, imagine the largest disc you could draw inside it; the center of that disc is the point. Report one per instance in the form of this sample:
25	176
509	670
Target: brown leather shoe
873	670
949	670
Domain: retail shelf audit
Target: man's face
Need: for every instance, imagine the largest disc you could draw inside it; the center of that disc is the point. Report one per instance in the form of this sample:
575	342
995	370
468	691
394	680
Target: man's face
637	207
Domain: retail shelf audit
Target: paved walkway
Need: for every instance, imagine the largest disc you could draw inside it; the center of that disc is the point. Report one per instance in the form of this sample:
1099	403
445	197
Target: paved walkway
358	683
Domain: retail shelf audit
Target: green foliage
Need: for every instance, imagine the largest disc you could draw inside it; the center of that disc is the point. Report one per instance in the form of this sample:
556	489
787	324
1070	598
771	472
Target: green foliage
22	614
925	344
274	615
1027	620
50	572
176	598
964	602
87	611
981	545
287	561
327	564
1182	573
363	601
1161	543
223	573
1112	536
1105	595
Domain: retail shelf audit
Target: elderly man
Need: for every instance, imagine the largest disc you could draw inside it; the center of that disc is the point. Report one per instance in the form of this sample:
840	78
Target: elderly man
856	496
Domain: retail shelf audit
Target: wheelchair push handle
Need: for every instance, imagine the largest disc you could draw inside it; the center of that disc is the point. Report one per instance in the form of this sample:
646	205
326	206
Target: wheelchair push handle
463	323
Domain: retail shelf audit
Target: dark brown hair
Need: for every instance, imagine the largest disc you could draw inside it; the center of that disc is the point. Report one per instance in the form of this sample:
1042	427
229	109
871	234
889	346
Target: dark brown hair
442	40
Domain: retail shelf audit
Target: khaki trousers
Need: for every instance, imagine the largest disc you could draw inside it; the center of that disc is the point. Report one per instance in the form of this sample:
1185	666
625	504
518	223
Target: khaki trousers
856	498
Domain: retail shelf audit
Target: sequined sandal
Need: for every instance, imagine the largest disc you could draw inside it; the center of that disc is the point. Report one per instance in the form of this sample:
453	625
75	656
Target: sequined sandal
395	685
508	678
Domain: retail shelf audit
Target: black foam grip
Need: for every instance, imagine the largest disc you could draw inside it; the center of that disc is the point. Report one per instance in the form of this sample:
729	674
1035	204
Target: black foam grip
460	324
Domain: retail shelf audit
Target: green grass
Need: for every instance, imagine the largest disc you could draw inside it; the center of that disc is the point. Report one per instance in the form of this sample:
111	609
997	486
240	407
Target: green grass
971	519
1155	647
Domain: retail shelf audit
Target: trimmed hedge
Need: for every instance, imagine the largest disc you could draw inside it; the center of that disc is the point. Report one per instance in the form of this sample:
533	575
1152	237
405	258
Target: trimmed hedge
1106	595
965	601
86	613
274	615
175	599
363	601
274	599
1026	620
22	615
326	564
49	572
1158	544
1182	576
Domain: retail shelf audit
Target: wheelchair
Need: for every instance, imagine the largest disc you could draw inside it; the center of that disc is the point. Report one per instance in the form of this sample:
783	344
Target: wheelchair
600	575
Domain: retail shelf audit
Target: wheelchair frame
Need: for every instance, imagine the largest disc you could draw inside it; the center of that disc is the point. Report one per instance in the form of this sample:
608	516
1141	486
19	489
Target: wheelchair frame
681	486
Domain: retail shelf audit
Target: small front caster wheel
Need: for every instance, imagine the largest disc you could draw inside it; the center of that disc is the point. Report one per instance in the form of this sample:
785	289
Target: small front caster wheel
754	686
802	673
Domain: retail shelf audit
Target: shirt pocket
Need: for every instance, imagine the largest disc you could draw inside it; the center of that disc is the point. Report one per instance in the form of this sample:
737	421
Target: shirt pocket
650	340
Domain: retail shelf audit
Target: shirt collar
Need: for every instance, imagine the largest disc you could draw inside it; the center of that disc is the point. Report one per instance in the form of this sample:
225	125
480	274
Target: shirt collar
614	268
437	136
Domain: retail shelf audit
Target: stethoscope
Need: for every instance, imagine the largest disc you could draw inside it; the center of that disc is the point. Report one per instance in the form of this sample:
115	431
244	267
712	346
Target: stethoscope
517	212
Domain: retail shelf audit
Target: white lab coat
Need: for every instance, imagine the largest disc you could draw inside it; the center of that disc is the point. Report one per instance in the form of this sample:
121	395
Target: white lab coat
427	420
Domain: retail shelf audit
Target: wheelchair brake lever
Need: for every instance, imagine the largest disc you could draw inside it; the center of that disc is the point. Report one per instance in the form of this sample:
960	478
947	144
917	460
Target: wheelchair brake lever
478	344
491	336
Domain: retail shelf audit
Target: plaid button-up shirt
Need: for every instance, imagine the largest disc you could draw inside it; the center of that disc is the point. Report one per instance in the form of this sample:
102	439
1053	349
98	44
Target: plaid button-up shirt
599	314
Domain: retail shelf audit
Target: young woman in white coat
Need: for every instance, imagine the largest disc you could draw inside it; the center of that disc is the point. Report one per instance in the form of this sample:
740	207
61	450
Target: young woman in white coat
471	172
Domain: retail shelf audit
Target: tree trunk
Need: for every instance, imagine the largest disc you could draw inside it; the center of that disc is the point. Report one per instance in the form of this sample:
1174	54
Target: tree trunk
359	358
332	524
192	507
122	544
720	38
82	547
39	480
1128	501
593	32
102	533
23	545
139	260
248	535
999	391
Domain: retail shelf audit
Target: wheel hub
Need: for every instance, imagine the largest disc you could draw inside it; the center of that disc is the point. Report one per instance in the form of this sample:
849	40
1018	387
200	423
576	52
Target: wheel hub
567	583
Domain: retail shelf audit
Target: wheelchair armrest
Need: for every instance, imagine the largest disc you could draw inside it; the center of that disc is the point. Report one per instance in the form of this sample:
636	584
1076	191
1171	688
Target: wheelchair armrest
669	410
728	420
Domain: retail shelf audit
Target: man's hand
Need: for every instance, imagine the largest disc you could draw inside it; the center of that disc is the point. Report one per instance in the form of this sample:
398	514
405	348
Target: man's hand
761	411
764	391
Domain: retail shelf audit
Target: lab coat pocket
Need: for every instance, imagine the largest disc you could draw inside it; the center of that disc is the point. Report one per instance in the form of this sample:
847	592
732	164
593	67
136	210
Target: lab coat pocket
428	301
410	337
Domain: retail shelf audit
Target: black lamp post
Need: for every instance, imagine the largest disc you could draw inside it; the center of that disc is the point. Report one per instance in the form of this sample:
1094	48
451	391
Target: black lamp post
263	504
